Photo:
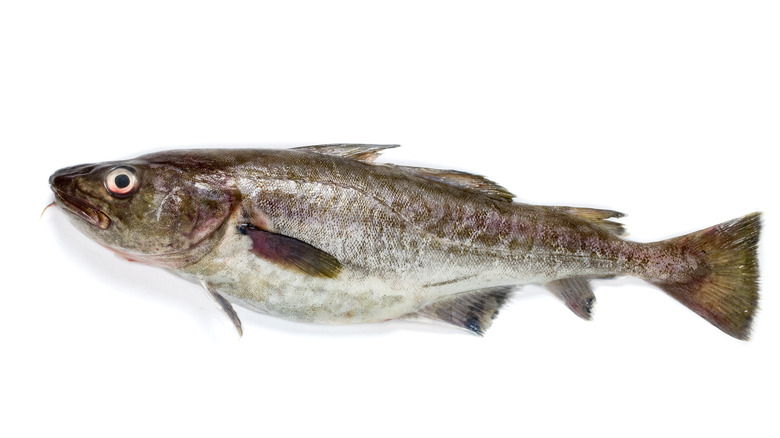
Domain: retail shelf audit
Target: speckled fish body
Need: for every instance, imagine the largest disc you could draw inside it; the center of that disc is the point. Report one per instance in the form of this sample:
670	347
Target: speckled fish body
323	234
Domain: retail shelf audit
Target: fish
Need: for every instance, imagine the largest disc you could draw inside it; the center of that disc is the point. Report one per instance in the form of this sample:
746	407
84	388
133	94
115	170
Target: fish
325	234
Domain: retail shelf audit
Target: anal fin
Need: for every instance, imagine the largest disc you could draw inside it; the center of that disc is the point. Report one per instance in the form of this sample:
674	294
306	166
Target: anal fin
575	293
225	306
473	311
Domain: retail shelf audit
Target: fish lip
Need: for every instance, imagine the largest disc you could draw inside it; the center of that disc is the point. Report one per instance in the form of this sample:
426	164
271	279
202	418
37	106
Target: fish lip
82	209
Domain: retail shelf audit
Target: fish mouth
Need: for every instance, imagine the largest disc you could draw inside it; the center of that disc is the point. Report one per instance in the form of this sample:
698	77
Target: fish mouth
82	209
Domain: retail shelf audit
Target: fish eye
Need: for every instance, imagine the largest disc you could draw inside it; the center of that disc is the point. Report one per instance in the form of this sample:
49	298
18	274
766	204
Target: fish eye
121	182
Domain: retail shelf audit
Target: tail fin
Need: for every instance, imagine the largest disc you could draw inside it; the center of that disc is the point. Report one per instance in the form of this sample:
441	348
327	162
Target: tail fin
726	293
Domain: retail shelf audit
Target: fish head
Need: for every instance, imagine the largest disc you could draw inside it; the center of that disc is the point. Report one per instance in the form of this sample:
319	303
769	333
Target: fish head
161	213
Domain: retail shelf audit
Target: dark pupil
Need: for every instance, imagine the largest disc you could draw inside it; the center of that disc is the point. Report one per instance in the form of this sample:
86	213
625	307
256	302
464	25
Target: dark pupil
122	181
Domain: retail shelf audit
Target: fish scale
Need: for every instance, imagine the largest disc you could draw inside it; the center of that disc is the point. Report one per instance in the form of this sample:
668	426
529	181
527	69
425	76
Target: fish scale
323	234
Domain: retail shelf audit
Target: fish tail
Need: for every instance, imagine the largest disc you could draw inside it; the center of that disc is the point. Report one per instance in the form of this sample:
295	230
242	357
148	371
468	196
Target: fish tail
723	289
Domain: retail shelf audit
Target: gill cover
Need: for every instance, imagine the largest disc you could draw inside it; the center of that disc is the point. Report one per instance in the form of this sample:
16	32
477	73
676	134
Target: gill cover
154	212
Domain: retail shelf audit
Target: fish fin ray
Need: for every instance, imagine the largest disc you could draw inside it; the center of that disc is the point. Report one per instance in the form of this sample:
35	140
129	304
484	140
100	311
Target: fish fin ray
225	305
362	152
463	180
575	293
725	293
291	253
473	311
597	217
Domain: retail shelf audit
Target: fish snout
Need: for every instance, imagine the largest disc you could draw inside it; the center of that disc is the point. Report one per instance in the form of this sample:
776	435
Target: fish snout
65	176
67	186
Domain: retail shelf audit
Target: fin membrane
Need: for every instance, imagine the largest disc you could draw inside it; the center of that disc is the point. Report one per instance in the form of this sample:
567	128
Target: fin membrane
362	152
725	291
291	253
473	311
225	306
597	217
575	293
463	180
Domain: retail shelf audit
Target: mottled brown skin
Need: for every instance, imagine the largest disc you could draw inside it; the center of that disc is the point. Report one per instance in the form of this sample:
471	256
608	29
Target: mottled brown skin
140	227
323	234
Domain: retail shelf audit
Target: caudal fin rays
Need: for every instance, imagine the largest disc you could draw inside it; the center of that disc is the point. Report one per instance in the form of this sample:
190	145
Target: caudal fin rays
726	292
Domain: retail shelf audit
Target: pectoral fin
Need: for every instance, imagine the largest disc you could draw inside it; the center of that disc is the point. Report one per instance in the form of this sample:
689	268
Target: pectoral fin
473	311
291	253
575	293
225	306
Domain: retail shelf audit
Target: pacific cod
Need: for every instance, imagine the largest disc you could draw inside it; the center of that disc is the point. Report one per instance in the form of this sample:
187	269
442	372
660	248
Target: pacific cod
323	234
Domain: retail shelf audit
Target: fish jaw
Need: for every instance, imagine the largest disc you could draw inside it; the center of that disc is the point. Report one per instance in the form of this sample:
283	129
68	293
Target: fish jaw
63	184
82	209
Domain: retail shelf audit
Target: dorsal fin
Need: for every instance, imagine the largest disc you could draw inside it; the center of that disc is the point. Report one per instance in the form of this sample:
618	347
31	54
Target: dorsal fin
362	152
472	310
463	180
597	217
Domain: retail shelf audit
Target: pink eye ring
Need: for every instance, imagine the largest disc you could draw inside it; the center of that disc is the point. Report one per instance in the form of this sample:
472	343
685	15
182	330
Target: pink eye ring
121	182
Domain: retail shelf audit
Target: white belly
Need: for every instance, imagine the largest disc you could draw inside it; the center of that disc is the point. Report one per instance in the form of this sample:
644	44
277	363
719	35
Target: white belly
356	295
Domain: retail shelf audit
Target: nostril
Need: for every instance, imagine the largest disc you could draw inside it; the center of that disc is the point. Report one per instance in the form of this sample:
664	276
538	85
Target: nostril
55	178
61	177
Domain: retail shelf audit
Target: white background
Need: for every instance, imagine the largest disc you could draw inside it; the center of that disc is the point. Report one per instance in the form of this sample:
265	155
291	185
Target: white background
666	110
